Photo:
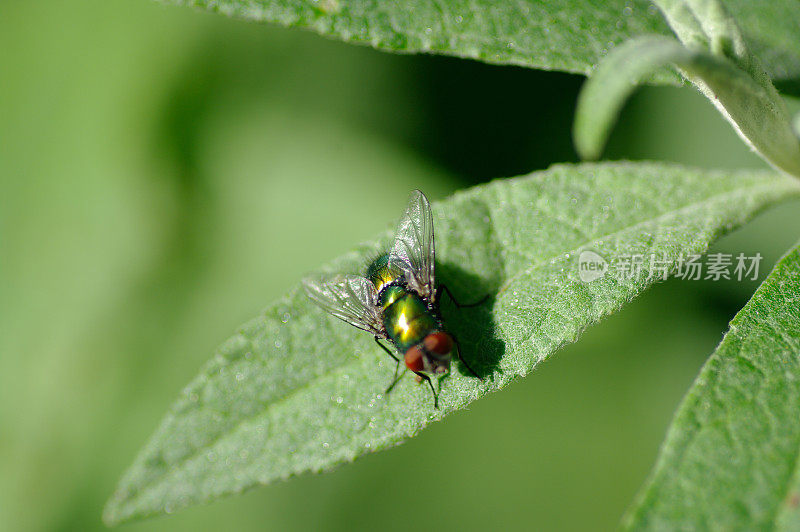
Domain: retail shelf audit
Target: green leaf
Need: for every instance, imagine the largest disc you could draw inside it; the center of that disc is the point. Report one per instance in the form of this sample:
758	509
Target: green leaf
755	110
566	35
707	25
297	390
715	58
730	460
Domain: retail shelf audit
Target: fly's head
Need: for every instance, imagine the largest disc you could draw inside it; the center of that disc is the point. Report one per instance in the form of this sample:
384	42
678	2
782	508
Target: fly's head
432	355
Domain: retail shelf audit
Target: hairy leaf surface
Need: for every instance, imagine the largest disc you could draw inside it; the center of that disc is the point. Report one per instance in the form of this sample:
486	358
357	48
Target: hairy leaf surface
566	35
297	390
751	105
730	460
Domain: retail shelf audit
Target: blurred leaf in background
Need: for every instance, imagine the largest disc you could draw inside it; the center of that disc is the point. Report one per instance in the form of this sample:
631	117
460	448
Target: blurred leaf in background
164	174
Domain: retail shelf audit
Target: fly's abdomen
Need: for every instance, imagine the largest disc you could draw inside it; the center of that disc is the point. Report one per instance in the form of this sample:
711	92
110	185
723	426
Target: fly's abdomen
408	321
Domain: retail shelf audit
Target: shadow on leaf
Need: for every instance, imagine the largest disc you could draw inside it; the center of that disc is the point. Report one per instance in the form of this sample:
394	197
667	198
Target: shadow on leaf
472	326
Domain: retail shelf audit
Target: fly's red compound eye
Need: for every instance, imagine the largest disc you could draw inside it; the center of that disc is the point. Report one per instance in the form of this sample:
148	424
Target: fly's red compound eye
414	359
439	343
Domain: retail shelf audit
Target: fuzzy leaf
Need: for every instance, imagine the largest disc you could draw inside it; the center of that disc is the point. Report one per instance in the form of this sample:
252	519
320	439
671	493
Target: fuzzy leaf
752	106
566	35
297	390
730	460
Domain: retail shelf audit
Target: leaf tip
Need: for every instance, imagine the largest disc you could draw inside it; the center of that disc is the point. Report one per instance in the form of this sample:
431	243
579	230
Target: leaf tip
110	513
588	144
117	509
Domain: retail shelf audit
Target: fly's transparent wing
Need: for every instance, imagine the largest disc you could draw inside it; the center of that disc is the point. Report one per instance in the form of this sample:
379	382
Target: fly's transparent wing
350	298
413	250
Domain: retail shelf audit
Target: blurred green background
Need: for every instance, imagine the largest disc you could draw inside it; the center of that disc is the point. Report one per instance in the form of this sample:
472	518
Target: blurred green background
165	173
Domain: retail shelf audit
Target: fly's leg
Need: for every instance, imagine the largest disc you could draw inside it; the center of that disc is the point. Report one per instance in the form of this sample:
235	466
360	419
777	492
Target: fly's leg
378	341
394	382
443	289
422	377
396	369
458	353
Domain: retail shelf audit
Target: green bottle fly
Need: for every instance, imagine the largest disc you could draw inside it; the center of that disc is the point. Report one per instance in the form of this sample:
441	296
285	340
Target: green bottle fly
397	301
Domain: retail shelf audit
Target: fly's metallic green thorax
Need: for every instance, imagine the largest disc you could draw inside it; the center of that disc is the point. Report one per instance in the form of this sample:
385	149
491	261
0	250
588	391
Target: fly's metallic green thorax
407	319
390	294
380	274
